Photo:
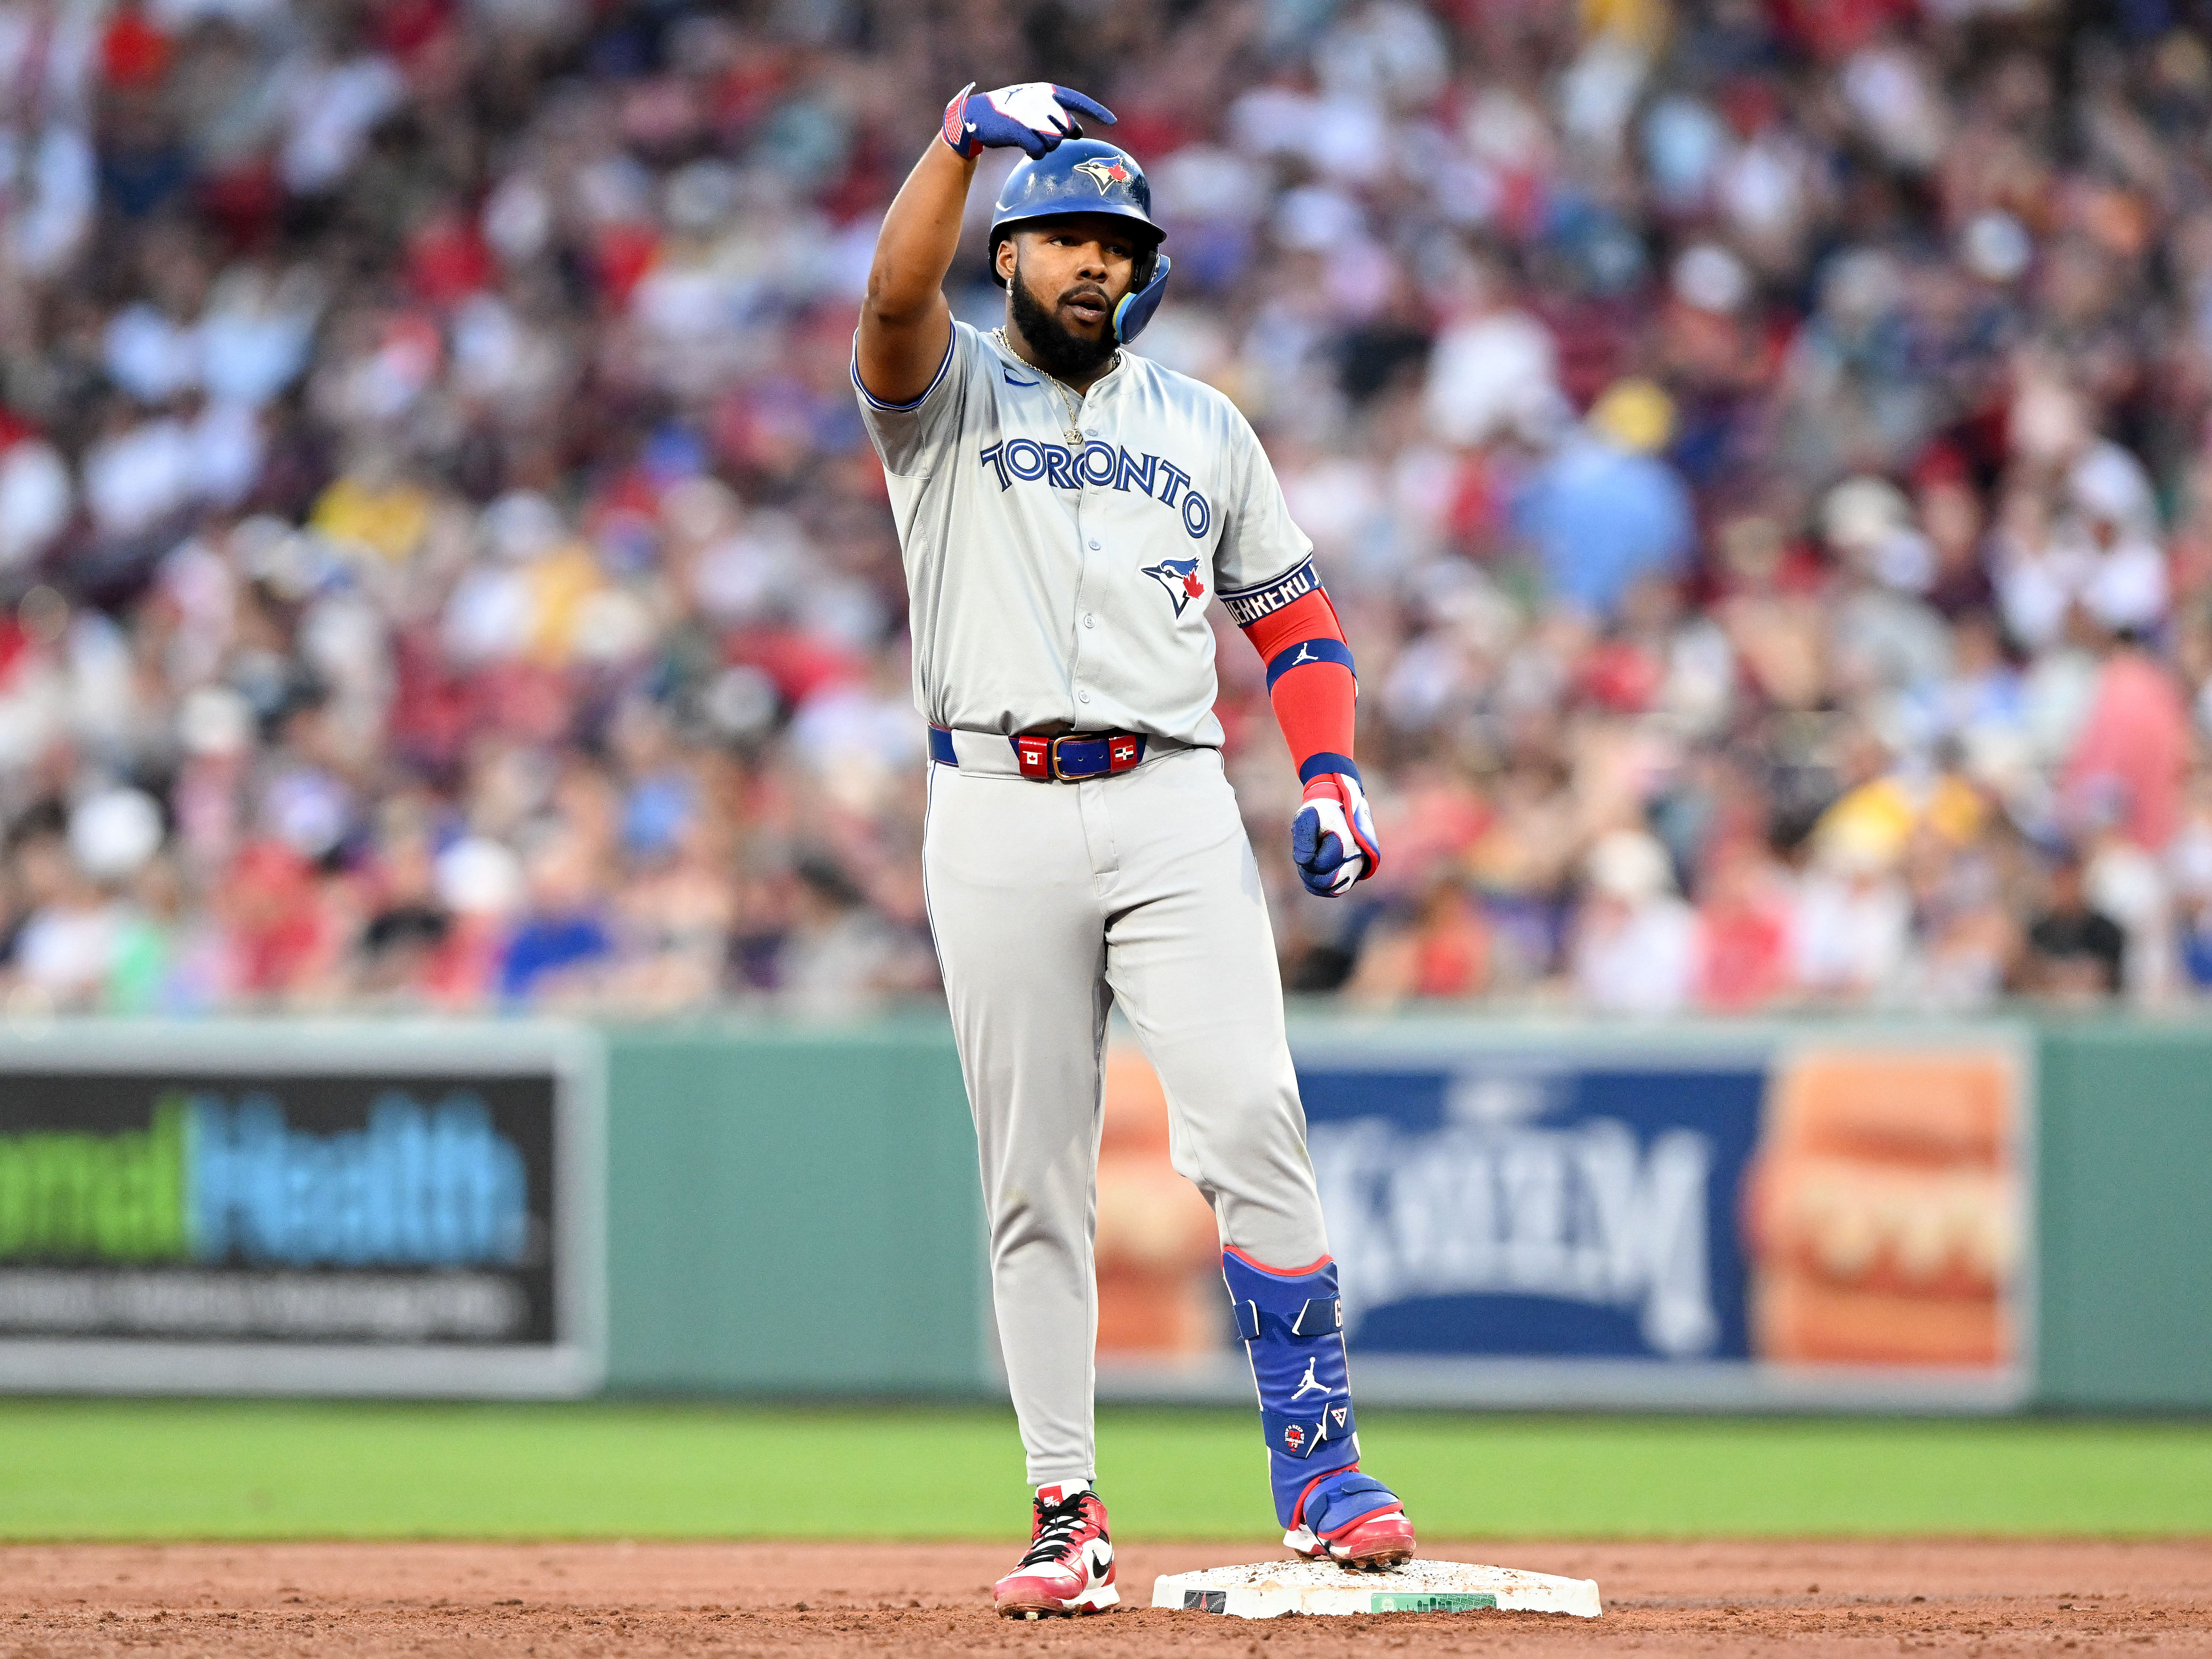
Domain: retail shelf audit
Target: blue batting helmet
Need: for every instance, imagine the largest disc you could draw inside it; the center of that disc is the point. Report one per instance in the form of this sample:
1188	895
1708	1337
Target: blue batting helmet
1085	175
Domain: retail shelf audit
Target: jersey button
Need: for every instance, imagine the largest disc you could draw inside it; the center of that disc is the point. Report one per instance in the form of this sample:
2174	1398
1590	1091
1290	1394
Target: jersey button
1089	621
1083	696
1094	544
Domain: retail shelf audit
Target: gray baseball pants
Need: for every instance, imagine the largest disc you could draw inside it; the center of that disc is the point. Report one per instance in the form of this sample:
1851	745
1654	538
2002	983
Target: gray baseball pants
1051	903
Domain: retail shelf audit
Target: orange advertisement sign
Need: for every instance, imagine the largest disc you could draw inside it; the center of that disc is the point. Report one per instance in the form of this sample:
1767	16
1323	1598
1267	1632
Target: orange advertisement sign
1883	1209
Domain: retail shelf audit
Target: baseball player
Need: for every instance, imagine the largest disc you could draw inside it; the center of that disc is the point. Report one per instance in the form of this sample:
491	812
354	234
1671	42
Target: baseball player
1067	511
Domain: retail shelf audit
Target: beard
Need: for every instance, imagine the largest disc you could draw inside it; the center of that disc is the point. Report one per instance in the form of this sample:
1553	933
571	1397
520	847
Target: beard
1062	354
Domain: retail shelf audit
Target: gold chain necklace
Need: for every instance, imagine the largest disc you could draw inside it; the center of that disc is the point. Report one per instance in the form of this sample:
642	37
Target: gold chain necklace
1074	432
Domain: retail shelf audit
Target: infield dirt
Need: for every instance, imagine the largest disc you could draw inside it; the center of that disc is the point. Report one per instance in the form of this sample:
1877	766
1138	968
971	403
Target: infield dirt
616	1601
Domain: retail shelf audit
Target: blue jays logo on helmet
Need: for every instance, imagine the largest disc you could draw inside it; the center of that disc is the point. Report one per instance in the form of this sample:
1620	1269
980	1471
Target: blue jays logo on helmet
1181	578
1104	173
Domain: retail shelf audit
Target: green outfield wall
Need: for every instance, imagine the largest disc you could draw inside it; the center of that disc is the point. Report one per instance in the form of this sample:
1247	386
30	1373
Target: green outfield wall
765	1209
2126	1216
794	1212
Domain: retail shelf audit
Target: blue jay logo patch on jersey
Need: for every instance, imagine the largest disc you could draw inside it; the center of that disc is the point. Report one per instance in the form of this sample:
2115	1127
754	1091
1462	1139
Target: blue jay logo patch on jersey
1180	578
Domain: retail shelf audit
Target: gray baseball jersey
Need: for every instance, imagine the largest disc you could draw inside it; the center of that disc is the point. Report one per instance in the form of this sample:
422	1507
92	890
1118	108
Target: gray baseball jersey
1053	583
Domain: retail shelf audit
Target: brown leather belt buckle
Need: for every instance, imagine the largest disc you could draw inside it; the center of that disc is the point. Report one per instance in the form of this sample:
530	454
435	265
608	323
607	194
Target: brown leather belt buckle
1060	772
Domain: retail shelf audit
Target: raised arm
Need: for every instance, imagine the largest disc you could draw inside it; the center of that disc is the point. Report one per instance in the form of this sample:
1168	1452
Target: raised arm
905	324
906	327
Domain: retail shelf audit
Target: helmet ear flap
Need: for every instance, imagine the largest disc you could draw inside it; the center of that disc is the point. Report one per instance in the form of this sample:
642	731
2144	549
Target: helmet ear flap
1138	305
1144	268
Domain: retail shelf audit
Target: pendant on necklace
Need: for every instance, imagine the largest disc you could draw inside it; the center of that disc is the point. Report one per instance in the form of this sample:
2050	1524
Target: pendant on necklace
1075	438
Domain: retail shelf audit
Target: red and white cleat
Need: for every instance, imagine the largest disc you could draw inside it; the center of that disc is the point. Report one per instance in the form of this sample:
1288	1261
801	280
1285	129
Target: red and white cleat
1070	1567
1352	1519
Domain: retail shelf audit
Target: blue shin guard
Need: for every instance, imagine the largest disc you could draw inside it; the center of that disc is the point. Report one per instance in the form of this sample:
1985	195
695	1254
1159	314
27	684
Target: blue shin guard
1293	1328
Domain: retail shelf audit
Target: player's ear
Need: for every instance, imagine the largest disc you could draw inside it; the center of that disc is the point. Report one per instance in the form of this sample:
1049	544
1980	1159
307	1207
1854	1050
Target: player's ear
1007	259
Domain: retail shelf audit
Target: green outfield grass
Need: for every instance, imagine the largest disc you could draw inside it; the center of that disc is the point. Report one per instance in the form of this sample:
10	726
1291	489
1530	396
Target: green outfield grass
89	1470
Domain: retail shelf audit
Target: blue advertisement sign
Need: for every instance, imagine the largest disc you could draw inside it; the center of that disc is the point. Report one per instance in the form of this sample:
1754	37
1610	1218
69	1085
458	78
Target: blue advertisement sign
1735	1217
1508	1206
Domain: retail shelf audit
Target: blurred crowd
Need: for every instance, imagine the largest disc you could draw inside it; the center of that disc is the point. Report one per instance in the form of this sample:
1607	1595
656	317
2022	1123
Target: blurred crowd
1759	448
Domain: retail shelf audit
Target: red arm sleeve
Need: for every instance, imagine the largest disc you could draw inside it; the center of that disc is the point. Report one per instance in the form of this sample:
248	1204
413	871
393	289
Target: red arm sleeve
1309	681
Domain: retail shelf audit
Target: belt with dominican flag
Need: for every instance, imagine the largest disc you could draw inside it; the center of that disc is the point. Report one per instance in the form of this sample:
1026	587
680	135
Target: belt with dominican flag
1070	757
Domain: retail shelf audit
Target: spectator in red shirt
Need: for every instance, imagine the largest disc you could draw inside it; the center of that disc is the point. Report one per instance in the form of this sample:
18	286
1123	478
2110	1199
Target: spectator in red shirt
1743	931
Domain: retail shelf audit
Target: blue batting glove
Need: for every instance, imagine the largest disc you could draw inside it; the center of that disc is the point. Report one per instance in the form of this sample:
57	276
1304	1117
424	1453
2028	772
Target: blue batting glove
1332	837
1035	115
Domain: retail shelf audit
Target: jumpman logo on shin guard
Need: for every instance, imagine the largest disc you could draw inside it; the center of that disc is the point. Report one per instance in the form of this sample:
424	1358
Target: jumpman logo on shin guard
1308	1382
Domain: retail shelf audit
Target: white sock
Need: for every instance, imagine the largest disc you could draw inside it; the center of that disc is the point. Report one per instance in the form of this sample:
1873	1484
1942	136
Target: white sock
1060	1491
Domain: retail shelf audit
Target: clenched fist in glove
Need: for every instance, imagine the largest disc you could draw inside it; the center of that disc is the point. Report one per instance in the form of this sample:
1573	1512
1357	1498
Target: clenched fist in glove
1332	837
1034	115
